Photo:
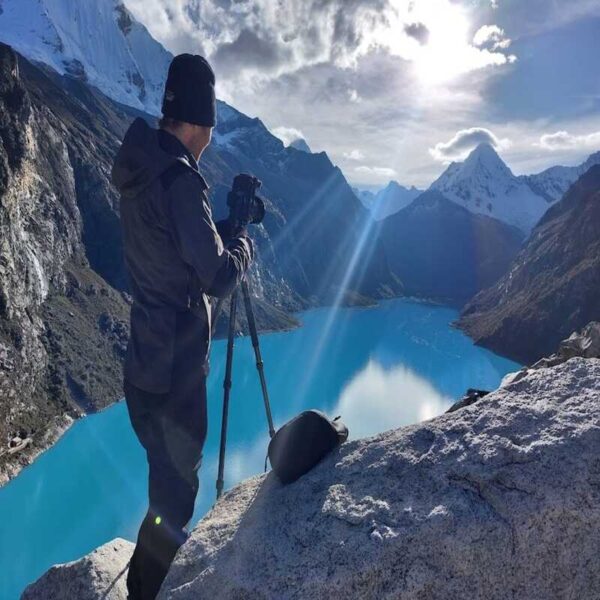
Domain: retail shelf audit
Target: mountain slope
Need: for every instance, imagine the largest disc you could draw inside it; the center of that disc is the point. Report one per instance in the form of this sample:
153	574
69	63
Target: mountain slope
553	183
391	199
97	42
441	250
315	222
59	319
483	184
553	287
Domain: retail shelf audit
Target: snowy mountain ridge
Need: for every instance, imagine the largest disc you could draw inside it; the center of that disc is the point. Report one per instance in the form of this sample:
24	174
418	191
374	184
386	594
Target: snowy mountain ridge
484	184
553	183
98	42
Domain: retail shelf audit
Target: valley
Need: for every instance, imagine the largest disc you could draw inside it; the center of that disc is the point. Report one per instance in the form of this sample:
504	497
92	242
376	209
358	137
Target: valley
322	243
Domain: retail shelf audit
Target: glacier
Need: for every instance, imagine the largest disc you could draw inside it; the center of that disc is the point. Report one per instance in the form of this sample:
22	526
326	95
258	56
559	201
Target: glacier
98	42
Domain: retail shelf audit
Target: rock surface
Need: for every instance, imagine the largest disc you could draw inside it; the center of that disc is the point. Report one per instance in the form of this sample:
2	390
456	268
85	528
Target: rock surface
585	343
101	574
497	500
500	499
53	297
553	286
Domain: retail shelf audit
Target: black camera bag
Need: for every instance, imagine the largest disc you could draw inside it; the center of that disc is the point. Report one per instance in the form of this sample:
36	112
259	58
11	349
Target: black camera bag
303	442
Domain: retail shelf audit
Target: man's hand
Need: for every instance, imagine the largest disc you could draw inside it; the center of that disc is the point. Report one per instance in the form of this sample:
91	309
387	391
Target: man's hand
228	232
224	229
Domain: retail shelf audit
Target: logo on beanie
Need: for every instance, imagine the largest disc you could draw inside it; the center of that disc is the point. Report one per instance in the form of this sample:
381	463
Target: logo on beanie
169	96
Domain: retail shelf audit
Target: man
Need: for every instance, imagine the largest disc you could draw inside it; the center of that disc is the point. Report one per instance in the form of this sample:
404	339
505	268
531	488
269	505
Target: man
175	257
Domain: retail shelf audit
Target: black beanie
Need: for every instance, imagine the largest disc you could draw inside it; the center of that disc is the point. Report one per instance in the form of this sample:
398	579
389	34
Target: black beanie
190	91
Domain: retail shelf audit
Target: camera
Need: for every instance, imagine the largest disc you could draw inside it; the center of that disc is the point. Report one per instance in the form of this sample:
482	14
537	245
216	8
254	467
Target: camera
245	206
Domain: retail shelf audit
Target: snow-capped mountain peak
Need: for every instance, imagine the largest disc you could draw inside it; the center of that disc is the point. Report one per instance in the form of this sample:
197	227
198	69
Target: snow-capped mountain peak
484	184
485	159
99	42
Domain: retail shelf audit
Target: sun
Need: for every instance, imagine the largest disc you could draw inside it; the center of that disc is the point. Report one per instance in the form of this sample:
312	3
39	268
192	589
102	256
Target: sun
448	52
445	48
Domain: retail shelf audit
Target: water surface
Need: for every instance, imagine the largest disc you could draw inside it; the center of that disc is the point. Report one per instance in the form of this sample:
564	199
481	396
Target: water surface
379	368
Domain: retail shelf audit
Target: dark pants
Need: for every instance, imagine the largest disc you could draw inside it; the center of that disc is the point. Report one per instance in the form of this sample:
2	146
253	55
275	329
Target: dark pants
172	429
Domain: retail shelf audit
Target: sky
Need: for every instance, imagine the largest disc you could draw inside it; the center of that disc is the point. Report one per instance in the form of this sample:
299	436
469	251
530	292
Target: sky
397	89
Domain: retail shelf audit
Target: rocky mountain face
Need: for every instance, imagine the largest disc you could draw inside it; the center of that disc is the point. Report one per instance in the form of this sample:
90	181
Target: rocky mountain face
552	287
96	42
62	326
63	301
498	498
483	184
389	200
443	251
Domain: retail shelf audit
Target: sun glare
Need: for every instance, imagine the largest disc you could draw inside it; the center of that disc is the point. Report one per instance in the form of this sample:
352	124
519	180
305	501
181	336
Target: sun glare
446	50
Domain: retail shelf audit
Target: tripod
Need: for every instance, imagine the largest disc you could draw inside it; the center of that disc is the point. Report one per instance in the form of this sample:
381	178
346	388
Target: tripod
228	370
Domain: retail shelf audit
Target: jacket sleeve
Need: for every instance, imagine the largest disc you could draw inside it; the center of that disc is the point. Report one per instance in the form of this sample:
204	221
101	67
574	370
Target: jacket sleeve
219	269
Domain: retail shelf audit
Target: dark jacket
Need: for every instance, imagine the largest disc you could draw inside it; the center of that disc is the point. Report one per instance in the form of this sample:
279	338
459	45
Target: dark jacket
173	252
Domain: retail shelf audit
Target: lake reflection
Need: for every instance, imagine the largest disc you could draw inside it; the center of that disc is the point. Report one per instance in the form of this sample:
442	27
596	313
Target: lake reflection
379	368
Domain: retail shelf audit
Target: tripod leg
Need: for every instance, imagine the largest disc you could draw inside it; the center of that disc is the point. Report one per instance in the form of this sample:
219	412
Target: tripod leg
257	354
215	315
226	392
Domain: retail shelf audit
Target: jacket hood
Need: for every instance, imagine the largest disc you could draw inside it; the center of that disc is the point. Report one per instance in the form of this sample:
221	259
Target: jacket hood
144	156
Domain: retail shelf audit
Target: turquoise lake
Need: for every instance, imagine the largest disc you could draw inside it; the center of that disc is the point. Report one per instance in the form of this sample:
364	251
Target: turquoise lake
380	368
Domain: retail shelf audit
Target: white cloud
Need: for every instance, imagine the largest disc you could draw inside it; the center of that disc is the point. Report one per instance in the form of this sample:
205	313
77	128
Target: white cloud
343	71
493	36
353	95
464	141
378	171
377	400
354	155
288	134
563	140
261	39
